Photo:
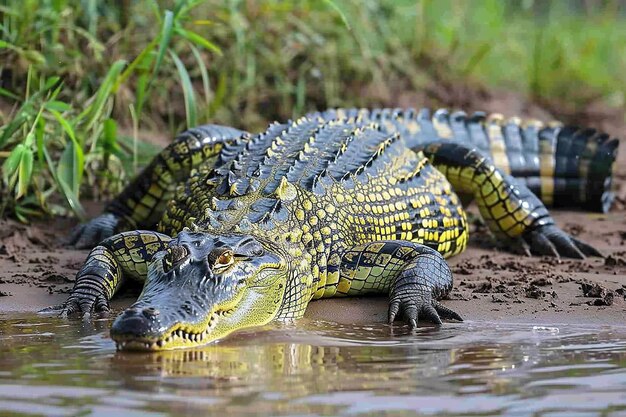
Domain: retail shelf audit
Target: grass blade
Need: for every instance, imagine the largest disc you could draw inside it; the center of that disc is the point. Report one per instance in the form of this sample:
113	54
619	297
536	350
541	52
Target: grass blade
206	86
67	127
141	93
141	60
6	93
197	39
58	106
476	58
10	165
71	164
341	14
164	40
66	190
190	98
94	111
69	173
24	173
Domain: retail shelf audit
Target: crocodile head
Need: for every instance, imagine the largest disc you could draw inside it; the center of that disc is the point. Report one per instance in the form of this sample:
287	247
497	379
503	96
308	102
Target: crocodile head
201	288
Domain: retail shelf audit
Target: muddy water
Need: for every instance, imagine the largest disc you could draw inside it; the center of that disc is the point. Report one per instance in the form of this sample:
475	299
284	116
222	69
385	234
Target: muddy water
54	367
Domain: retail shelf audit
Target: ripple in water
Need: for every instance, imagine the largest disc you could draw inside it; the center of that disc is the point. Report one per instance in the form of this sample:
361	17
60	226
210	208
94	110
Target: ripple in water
51	367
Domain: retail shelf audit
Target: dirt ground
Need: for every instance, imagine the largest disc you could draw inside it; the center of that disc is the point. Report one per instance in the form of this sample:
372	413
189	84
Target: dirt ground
36	271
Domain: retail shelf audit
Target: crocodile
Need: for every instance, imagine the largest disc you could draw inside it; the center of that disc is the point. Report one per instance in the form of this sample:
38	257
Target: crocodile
229	230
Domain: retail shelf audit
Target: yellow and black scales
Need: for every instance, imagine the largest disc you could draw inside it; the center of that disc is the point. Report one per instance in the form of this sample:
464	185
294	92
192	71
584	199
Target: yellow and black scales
358	201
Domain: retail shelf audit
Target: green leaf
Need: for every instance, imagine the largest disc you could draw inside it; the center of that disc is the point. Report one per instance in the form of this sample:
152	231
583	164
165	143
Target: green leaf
164	39
70	170
72	200
220	93
9	129
65	125
51	82
341	14
183	7
140	61
94	111
40	129
69	195
478	55
24	213
190	98
141	92
110	133
9	167
7	93
24	173
110	139
30	137
205	77
57	105
34	57
193	37
5	44
20	216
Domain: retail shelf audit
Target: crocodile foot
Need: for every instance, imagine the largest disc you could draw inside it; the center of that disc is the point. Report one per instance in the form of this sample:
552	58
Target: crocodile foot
88	235
86	302
417	302
552	241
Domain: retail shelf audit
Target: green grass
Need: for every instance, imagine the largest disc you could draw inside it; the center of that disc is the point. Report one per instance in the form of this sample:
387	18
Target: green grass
77	74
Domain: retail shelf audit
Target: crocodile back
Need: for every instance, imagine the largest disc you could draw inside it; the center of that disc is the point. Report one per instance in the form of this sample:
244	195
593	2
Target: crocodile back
350	164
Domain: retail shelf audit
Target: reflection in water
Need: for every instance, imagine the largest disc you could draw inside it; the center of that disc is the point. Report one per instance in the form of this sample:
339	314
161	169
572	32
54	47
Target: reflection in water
53	367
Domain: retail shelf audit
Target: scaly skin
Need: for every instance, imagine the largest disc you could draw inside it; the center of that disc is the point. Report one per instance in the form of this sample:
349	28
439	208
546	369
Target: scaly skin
344	202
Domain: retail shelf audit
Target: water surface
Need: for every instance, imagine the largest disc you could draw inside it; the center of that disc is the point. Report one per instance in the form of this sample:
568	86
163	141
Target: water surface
55	367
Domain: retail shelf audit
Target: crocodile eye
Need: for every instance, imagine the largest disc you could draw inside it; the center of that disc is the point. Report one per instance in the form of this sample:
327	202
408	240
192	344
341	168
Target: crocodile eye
225	259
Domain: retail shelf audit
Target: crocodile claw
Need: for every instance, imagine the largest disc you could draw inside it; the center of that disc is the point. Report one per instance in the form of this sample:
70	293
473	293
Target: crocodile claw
416	303
552	241
78	304
88	235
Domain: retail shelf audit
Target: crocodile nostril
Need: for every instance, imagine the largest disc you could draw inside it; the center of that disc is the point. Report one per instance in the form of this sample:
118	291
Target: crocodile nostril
150	312
131	311
174	255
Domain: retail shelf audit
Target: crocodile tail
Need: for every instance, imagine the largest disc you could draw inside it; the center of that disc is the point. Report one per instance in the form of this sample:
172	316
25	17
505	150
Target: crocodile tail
580	167
565	166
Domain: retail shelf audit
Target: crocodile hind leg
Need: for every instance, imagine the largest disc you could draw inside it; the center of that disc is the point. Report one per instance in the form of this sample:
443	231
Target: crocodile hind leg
414	275
141	204
513	213
120	257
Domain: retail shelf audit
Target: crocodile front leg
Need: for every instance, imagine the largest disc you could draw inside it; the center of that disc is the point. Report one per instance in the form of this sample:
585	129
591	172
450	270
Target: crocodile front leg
108	265
415	276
